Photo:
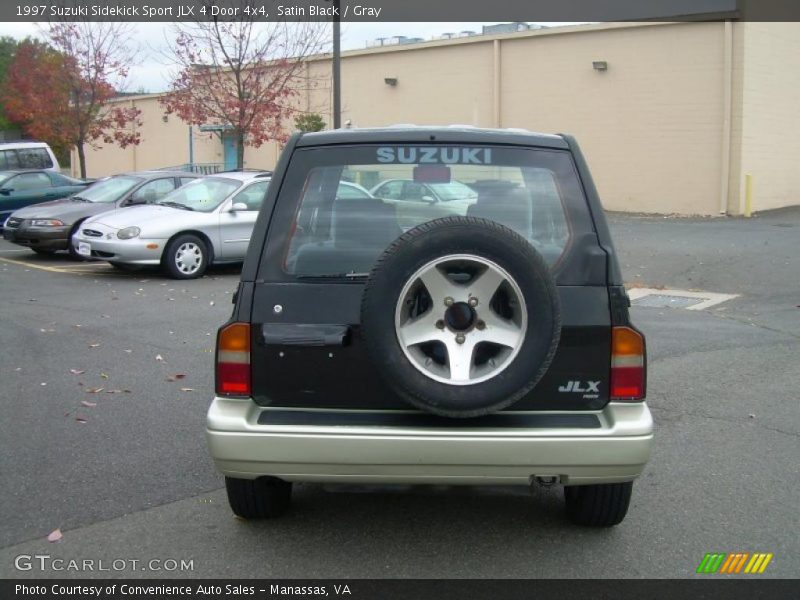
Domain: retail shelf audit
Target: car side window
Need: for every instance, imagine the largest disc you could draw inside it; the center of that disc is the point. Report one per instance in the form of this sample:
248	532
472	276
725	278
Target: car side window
415	191
252	196
185	180
9	159
34	158
391	190
28	181
153	191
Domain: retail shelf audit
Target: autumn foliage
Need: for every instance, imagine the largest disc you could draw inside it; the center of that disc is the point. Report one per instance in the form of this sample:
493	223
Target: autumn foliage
60	90
241	75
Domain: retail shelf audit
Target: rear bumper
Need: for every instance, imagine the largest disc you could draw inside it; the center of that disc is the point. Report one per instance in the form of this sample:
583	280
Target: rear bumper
244	445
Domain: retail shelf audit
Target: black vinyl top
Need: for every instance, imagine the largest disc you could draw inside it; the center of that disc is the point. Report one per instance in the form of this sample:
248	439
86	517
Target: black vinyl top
454	134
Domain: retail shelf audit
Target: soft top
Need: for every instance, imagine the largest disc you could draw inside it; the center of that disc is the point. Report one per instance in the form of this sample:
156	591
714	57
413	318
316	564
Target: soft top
454	134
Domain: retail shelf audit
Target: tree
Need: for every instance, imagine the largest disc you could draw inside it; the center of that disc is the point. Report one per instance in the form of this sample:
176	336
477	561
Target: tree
241	75
309	122
8	47
76	74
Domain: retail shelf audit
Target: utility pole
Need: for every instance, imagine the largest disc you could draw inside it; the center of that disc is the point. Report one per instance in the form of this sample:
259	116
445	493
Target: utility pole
337	68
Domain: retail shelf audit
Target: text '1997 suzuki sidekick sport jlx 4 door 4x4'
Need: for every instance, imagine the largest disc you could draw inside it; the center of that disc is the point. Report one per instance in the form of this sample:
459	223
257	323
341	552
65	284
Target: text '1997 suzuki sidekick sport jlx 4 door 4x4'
481	339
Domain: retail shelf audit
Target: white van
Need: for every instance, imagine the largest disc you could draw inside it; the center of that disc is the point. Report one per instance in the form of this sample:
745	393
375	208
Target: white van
27	155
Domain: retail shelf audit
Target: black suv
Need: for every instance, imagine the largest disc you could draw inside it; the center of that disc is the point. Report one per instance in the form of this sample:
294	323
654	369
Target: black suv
484	340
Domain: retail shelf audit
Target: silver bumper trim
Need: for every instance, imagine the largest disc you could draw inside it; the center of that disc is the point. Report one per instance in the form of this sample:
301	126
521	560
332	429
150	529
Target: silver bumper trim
616	451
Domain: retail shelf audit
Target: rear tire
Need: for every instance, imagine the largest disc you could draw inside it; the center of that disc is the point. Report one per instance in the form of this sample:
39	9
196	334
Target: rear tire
598	505
186	257
262	498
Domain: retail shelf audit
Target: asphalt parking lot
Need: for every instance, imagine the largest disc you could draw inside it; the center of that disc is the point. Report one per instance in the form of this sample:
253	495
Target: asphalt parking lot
124	473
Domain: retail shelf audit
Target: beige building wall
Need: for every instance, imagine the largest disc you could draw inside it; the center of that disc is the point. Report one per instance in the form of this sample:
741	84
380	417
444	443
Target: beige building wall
164	143
650	126
766	124
681	113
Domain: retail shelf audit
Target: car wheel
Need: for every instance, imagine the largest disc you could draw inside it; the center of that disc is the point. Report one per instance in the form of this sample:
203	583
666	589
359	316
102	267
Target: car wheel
598	505
186	257
461	316
260	498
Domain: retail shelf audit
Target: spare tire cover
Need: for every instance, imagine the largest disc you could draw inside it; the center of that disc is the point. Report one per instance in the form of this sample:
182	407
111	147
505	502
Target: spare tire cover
460	316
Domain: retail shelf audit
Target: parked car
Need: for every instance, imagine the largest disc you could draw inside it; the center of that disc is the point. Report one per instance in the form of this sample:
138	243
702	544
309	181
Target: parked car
27	154
48	227
20	188
433	199
490	348
206	221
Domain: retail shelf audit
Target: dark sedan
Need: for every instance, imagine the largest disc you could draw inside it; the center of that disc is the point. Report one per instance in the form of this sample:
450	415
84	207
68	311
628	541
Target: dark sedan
48	227
20	188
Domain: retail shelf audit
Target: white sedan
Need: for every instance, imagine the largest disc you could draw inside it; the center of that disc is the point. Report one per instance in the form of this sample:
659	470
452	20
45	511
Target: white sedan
205	222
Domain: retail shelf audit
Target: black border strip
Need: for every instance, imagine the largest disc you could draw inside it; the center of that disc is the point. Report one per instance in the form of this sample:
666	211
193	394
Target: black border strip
423	420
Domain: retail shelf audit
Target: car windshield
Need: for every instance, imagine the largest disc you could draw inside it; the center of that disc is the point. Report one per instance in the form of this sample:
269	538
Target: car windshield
203	195
522	189
109	190
455	190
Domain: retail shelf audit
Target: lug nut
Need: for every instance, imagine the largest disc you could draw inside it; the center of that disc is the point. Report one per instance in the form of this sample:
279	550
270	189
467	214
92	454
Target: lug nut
480	325
448	301
439	324
473	302
460	338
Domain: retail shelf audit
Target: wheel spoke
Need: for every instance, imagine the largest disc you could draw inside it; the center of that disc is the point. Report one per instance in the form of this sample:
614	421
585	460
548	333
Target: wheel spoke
498	330
486	284
459	357
420	330
438	286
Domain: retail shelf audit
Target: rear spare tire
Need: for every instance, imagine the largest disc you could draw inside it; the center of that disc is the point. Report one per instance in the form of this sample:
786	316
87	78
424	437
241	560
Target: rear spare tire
461	316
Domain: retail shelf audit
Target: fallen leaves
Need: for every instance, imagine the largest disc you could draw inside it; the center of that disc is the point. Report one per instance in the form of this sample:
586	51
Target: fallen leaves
77	371
81	419
187	389
94	345
103	375
55	536
176	377
159	358
88	404
94	390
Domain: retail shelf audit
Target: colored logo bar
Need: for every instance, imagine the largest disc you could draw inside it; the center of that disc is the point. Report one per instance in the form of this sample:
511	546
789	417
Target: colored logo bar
734	563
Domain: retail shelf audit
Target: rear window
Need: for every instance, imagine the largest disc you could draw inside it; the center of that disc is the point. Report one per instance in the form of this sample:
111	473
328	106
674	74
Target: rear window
25	158
339	234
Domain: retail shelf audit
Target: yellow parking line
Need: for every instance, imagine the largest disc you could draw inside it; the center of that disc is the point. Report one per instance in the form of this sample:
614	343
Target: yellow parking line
72	270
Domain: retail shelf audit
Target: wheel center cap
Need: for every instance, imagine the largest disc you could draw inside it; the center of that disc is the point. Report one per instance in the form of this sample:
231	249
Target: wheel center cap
460	316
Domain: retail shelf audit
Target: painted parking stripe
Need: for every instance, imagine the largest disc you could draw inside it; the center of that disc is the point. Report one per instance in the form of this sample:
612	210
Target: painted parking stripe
76	269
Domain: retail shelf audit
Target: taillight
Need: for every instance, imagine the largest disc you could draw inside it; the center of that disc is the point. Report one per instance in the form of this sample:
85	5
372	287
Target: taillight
627	364
233	360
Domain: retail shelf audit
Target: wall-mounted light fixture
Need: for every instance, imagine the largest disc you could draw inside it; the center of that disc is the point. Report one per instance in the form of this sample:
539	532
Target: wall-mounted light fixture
600	65
390	81
165	118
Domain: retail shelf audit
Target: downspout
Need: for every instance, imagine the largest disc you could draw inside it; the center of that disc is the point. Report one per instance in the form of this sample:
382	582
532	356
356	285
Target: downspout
133	106
727	83
191	149
497	121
